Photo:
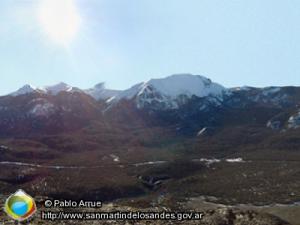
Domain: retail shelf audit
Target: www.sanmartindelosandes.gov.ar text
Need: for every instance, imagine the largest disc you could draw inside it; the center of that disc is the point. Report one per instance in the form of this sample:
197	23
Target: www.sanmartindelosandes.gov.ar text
120	216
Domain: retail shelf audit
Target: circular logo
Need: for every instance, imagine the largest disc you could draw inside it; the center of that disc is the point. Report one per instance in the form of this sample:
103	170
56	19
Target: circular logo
20	206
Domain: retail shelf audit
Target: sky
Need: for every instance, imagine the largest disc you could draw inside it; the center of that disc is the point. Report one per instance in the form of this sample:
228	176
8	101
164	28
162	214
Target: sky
85	42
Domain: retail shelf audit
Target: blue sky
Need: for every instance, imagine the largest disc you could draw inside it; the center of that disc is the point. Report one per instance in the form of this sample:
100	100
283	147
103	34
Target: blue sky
235	43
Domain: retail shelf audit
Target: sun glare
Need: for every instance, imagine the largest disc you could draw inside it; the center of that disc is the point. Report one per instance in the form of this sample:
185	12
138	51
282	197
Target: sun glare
59	19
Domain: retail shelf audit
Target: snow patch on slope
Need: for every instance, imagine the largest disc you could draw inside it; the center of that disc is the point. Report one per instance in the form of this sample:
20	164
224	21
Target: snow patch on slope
42	109
294	121
243	88
270	90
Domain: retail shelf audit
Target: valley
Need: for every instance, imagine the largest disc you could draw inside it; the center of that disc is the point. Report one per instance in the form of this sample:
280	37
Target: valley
211	149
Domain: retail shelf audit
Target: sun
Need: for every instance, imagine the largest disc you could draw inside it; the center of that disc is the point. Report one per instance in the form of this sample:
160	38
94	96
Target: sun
59	19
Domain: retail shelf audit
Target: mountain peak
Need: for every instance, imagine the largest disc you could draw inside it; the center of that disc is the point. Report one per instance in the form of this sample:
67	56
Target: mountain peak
187	84
59	87
26	89
185	76
100	86
53	89
165	92
29	86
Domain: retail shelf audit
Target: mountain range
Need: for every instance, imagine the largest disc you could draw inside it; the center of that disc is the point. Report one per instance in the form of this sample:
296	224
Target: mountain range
166	89
186	102
181	136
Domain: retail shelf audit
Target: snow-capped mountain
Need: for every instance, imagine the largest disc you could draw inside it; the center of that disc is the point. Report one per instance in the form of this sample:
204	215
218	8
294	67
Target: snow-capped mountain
51	90
174	91
26	89
171	92
184	101
57	88
164	93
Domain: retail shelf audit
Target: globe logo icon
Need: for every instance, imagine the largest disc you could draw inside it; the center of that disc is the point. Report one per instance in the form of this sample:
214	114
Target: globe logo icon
20	206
